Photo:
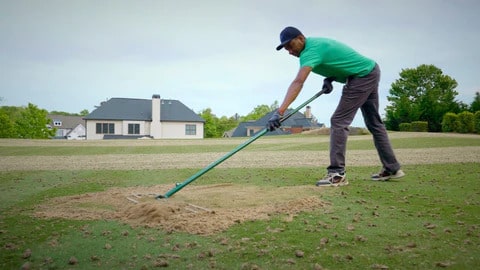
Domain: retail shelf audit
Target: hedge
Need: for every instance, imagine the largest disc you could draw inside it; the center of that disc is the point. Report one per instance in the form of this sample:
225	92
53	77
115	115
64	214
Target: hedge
449	122
419	126
405	126
477	121
466	122
416	126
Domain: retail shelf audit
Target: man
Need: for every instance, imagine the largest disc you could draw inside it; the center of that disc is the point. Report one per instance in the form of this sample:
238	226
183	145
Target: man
361	75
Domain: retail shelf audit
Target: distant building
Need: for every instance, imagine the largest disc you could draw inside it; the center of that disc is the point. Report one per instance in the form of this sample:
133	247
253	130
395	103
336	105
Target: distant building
297	123
68	127
129	118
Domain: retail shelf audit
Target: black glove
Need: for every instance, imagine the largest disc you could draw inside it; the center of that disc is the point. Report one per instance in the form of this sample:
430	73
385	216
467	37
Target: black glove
274	121
327	85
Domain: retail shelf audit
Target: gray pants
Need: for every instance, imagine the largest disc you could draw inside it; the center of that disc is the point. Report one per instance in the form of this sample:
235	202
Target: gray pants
359	93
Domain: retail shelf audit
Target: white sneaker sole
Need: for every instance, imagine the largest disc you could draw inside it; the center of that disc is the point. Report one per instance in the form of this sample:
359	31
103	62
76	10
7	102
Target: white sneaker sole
343	183
399	174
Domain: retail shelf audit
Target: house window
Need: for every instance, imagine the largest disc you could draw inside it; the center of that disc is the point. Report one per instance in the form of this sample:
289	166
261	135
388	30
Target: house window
105	128
133	128
57	123
190	129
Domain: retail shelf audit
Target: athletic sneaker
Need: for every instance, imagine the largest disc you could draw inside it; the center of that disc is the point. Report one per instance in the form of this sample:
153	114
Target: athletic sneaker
333	180
385	175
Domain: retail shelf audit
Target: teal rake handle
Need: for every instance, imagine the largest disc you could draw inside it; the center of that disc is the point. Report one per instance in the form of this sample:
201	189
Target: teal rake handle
194	177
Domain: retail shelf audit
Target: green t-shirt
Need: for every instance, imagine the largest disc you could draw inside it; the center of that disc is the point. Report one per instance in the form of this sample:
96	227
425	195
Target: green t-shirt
331	58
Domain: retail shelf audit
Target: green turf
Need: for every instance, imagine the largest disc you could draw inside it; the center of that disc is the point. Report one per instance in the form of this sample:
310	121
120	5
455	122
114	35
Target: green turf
228	145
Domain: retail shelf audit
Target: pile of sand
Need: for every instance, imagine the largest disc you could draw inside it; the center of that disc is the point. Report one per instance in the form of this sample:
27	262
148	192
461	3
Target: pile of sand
196	210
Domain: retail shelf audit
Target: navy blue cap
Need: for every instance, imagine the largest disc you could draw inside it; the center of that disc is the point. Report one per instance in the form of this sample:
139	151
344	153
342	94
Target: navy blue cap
287	35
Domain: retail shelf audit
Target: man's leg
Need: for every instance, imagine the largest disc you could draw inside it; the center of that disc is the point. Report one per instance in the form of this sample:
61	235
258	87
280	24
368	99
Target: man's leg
354	95
375	125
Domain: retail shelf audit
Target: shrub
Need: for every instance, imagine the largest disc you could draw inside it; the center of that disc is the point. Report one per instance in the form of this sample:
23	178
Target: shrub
449	122
419	126
466	122
405	127
358	131
477	121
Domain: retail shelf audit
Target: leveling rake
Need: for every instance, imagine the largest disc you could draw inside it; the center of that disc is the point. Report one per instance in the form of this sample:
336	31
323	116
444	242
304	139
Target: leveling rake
212	165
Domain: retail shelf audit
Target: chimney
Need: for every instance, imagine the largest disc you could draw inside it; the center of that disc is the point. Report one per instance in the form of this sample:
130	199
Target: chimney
308	112
155	126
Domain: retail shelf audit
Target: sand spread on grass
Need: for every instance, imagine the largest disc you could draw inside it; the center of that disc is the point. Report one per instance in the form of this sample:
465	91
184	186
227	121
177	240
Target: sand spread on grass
197	210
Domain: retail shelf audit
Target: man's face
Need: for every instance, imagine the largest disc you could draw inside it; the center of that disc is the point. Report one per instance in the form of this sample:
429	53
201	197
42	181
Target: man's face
295	46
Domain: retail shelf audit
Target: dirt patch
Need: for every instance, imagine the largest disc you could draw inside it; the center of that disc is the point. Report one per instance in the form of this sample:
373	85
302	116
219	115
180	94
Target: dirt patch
197	210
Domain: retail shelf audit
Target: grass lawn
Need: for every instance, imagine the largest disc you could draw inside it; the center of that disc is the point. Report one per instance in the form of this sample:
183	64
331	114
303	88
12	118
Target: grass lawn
429	219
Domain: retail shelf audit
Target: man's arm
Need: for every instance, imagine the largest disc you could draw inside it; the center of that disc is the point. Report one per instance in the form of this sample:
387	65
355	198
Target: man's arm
294	89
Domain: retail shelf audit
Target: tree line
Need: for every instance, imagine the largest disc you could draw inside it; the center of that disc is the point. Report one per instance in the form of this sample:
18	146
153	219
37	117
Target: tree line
422	99
424	96
28	122
215	127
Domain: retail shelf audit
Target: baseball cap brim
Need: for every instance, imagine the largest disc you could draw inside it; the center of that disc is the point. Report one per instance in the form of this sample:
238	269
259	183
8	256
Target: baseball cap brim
279	47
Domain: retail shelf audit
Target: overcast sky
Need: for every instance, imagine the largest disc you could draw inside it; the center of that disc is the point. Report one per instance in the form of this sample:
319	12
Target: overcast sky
72	55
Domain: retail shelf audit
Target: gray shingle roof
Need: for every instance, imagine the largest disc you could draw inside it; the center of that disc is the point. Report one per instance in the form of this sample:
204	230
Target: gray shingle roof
141	110
68	121
296	120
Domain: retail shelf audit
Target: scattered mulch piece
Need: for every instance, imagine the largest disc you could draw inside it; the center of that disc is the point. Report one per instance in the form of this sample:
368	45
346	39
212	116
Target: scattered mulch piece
72	261
27	253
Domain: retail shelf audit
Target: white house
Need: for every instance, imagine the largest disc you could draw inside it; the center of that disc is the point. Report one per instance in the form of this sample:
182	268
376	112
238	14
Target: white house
68	127
124	118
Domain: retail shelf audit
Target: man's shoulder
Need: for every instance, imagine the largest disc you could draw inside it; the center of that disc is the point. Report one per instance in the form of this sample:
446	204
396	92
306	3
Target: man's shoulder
321	40
316	46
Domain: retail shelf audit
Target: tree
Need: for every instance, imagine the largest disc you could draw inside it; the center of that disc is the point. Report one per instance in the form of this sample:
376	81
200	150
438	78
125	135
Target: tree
84	112
225	124
477	121
8	116
260	111
475	106
421	94
33	123
7	128
215	127
13	112
62	113
81	113
210	126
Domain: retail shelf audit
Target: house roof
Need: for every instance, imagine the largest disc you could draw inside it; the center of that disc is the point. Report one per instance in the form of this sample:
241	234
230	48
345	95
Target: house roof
141	110
240	130
68	121
297	119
